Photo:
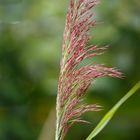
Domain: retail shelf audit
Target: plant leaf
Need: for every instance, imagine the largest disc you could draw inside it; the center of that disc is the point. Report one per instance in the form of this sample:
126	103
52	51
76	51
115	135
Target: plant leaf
111	112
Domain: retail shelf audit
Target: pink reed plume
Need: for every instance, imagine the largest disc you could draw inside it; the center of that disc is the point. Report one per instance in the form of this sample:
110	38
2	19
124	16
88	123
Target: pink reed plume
74	81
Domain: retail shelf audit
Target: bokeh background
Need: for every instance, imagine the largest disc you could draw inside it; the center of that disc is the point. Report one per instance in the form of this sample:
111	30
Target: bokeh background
30	49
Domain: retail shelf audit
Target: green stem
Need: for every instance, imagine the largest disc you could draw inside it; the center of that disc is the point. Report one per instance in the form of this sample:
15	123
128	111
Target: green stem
57	131
110	114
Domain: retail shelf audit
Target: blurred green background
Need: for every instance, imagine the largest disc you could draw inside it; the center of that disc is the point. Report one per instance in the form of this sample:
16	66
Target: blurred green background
30	49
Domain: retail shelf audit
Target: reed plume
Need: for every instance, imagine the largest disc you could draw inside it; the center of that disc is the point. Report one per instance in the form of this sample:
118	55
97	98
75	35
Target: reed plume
75	80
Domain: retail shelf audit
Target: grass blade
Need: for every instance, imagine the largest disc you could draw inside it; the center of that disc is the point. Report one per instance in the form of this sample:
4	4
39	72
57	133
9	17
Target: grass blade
111	112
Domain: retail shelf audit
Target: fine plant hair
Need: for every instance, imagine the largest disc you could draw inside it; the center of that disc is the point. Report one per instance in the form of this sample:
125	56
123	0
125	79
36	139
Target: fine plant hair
75	80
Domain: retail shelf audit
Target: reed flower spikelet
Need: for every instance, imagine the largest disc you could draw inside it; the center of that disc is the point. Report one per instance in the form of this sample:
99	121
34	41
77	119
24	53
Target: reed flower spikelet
74	81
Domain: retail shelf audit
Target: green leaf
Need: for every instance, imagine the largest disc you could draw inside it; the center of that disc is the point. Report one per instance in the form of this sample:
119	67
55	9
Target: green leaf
112	111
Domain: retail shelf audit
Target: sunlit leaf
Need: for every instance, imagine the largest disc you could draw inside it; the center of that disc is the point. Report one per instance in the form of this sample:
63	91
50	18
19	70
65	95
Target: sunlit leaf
111	112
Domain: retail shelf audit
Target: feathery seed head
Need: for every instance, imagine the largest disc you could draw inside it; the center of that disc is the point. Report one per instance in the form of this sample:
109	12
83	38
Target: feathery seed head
73	81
